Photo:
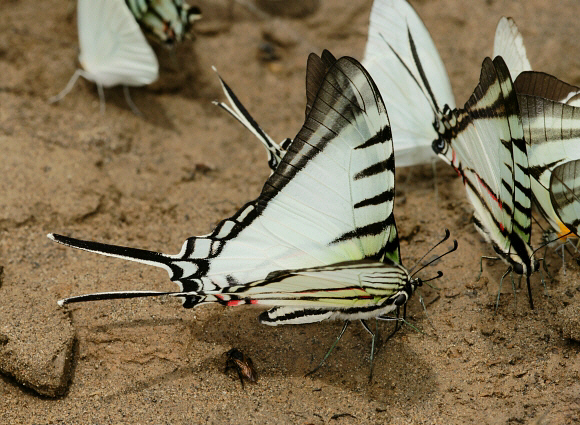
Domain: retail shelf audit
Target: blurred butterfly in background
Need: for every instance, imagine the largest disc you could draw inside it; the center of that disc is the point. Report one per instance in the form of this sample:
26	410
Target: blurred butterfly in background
169	21
320	242
113	50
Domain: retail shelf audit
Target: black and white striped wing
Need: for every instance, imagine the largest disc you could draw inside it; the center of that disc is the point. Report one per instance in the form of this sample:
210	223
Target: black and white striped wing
403	60
348	291
509	44
489	152
544	85
316	70
167	20
237	110
552	133
565	194
330	200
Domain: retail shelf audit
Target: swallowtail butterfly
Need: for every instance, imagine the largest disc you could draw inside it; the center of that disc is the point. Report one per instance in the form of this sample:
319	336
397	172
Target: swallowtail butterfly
167	20
403	60
113	49
549	119
552	132
486	146
320	242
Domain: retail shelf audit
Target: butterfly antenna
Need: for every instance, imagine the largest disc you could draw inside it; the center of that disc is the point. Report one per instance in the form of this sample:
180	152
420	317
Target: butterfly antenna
447	235
439	274
454	248
553	240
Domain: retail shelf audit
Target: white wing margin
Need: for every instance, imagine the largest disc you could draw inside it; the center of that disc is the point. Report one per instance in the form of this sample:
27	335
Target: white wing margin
509	44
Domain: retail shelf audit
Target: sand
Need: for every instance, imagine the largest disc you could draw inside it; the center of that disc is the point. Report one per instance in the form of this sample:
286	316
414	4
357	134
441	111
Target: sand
152	182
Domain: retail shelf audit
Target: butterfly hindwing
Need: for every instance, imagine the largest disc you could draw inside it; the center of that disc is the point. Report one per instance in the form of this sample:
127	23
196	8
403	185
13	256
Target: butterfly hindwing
565	194
113	49
167	20
352	290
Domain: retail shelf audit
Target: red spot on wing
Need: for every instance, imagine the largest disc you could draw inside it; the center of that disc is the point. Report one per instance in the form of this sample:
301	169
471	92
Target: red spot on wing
489	192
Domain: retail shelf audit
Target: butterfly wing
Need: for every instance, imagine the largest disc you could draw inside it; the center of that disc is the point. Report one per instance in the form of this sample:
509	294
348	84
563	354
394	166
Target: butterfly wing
237	110
565	194
547	86
403	60
167	20
330	200
348	291
113	48
552	134
316	70
509	44
489	152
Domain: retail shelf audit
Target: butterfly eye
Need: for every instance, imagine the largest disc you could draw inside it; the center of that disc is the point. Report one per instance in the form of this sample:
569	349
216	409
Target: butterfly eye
438	145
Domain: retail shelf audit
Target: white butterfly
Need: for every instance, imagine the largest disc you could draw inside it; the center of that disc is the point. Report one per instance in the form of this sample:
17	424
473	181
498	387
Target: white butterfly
113	49
403	60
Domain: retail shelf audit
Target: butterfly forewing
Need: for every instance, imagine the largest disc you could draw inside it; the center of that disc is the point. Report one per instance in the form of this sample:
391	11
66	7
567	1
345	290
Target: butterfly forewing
490	153
547	86
552	134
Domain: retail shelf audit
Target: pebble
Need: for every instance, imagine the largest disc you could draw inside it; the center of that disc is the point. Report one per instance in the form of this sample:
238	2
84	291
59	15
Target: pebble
36	341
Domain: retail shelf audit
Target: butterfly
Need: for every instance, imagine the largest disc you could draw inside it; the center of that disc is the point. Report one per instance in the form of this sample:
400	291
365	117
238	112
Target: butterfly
403	60
487	148
550	126
167	20
113	49
320	242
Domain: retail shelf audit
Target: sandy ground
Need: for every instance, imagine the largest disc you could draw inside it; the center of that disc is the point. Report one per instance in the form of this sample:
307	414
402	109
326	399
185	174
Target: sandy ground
153	182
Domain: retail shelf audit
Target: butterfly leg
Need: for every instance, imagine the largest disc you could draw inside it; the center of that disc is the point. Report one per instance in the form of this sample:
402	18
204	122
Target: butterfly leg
374	337
130	102
481	265
499	290
78	73
422	301
346	323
